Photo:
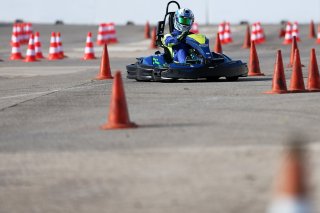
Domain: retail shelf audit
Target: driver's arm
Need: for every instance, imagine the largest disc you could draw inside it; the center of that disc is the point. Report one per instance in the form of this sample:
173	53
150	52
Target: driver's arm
170	40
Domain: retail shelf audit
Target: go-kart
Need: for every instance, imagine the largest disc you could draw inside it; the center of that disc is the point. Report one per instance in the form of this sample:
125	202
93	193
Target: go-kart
201	63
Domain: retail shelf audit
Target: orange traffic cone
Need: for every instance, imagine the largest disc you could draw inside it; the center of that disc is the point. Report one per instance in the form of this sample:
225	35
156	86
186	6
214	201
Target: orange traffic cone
105	71
254	65
53	50
288	35
118	112
254	32
313	77
147	31
15	51
260	34
294	46
318	36
247	39
227	34
295	31
88	51
101	34
297	83
15	36
279	84
31	53
37	45
153	44
291	194
282	32
60	47
221	32
312	32
217	45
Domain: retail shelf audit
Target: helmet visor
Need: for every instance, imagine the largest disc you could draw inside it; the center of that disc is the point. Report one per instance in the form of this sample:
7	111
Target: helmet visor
185	21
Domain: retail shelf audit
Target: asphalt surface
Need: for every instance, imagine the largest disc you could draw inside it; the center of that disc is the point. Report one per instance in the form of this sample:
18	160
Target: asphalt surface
200	146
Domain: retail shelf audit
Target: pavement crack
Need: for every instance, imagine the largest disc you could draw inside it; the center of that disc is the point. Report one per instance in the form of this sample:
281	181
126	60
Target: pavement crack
43	95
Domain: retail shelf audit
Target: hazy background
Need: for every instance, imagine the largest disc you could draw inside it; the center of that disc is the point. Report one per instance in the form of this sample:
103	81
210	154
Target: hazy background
138	11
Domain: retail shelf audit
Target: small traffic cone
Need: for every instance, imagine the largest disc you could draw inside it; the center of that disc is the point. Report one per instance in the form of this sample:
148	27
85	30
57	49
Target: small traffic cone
37	45
294	46
254	36
291	194
312	32
254	65
101	34
53	50
282	32
297	83
105	71
313	77
318	36
279	85
118	112
60	47
217	45
195	28
295	31
31	53
260	34
15	51
247	39
15	35
227	34
288	35
221	32
89	51
147	31
153	44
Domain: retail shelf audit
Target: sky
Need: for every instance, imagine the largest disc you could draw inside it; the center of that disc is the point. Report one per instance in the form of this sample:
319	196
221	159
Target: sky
140	11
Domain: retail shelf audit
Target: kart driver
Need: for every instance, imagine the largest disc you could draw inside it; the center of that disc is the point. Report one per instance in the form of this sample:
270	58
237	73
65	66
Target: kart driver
183	20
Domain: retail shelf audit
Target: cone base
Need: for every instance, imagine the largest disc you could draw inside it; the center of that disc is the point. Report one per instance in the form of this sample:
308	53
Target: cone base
88	58
276	92
53	57
100	43
109	126
314	90
16	57
287	42
255	74
101	77
30	60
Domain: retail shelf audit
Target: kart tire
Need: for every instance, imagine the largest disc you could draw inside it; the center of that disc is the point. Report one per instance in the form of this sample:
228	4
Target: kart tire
234	78
213	79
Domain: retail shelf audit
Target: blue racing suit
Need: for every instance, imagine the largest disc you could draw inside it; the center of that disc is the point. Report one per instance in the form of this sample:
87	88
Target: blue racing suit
179	48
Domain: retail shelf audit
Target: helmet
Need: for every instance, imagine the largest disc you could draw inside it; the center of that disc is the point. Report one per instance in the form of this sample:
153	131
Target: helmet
183	19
